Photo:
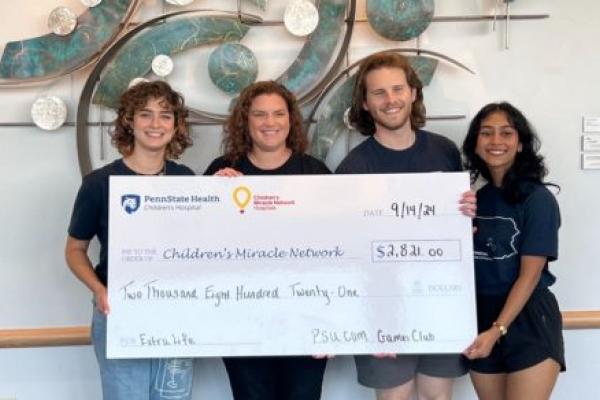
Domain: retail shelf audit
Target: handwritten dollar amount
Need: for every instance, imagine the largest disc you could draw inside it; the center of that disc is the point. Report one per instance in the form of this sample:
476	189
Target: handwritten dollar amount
415	250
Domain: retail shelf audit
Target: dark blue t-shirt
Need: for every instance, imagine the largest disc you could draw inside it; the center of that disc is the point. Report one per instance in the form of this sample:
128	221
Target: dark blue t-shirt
430	153
90	212
297	164
506	231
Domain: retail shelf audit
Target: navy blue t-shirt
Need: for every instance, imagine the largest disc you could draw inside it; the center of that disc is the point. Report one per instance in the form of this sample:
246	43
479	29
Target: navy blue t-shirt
430	153
90	212
297	164
506	231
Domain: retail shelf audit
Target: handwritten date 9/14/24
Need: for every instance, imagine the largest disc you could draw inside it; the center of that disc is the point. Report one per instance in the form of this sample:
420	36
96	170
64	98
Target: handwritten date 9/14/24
404	210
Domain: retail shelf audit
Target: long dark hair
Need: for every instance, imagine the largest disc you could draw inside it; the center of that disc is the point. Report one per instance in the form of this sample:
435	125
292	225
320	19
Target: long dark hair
528	165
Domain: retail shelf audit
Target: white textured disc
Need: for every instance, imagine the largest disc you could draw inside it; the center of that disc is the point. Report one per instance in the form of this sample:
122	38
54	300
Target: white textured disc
90	3
162	65
137	80
62	21
179	2
49	112
301	17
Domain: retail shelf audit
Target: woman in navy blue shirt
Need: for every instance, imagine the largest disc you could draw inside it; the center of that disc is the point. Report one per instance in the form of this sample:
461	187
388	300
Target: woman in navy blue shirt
150	131
519	350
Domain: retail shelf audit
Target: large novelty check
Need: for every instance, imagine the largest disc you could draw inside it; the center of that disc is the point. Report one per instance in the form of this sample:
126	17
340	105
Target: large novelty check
344	264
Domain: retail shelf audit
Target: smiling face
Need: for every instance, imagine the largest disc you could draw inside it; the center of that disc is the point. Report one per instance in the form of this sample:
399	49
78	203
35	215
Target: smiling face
153	126
389	99
497	145
268	123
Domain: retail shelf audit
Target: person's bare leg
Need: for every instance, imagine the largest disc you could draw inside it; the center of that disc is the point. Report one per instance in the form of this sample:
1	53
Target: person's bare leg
402	392
433	388
533	383
489	386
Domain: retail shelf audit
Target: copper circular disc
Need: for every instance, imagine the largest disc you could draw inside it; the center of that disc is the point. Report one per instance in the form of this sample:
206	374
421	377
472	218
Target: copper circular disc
62	21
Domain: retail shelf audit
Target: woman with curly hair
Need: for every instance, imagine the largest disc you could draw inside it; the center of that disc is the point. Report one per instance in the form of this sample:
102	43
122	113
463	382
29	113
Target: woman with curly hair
264	136
519	350
150	130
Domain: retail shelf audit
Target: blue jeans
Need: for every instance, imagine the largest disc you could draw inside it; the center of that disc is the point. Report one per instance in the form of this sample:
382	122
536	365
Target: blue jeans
140	379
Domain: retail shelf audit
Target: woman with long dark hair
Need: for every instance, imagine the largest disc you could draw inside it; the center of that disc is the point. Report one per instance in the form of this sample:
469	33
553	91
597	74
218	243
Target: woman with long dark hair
519	350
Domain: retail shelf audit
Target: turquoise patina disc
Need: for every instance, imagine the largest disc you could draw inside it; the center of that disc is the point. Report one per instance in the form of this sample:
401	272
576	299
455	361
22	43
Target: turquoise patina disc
232	67
399	19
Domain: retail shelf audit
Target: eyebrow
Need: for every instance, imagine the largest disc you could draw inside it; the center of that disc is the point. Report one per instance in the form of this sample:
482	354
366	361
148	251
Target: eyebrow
165	111
493	126
266	111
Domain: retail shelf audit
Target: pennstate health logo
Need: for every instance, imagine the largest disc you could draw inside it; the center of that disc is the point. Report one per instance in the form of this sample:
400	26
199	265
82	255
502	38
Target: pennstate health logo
131	203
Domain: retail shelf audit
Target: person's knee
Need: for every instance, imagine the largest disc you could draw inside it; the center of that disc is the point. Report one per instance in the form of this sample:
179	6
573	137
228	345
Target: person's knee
402	392
433	388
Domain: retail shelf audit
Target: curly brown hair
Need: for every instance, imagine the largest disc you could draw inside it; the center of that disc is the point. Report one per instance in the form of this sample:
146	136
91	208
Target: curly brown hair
360	118
237	141
135	99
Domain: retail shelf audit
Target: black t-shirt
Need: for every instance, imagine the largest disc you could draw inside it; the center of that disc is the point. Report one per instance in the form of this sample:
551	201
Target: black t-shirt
297	164
430	153
506	231
90	212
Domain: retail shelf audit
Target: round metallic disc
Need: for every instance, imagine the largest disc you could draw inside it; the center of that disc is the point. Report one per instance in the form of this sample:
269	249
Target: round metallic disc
62	21
179	2
232	67
137	80
162	65
301	17
90	3
400	19
49	112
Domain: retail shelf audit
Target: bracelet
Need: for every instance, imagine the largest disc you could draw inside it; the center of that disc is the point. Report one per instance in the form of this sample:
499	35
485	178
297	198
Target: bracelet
503	330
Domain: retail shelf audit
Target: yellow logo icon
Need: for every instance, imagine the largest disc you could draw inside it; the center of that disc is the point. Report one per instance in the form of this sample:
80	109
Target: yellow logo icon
241	197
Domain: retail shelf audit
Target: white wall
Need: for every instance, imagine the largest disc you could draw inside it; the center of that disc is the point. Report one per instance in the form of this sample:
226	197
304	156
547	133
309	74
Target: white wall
549	72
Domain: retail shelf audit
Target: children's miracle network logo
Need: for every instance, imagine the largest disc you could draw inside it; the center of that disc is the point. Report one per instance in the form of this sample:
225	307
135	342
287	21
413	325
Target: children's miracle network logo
241	197
131	203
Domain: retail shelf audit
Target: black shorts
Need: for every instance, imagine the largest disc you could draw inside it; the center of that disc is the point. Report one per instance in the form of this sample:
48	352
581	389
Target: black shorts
535	335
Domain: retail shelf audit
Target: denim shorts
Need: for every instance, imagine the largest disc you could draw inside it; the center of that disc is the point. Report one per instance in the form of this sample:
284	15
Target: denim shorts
140	379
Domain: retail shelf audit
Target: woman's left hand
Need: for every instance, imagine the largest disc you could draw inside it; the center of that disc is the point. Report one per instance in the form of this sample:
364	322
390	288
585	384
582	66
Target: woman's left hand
483	344
468	204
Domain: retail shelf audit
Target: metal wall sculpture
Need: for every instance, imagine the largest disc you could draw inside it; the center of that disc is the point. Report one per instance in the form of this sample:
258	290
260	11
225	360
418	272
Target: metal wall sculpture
50	56
319	76
175	33
399	19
